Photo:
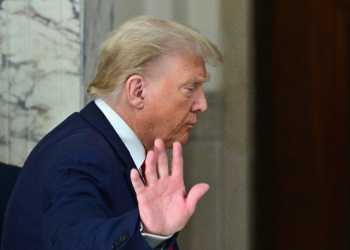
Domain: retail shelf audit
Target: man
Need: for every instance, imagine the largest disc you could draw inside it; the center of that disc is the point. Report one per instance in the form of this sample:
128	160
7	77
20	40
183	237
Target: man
80	188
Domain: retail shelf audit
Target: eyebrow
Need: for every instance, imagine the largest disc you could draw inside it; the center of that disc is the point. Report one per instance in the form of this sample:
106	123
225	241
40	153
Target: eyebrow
199	79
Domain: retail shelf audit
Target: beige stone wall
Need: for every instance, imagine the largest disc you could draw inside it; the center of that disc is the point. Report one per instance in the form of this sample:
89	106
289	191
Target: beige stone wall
238	118
220	151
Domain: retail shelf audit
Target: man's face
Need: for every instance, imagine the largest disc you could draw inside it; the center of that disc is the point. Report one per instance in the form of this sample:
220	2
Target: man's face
175	95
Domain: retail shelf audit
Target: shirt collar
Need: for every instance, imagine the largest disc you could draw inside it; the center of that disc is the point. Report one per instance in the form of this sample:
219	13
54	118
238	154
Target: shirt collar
129	138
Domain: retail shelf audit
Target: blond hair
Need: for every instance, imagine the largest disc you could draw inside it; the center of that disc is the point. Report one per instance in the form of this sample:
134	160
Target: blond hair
137	43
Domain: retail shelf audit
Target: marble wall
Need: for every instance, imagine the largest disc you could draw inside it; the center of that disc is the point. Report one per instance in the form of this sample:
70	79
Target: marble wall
40	81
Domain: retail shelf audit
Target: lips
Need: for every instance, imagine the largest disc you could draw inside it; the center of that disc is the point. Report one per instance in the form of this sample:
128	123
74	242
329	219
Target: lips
191	125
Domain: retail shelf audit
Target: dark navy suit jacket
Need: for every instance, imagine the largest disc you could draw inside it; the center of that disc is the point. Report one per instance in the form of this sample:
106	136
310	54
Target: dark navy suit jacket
75	192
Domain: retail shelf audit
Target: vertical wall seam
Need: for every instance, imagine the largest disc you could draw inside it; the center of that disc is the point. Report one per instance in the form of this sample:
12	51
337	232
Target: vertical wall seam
82	51
7	115
61	63
28	58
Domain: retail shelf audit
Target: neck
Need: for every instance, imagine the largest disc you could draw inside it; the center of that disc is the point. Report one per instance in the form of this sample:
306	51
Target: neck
134	120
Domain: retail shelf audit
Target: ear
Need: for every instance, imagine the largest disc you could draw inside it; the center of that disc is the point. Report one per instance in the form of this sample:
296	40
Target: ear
135	90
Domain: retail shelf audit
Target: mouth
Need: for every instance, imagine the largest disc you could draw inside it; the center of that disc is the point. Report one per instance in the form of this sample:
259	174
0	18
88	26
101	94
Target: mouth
191	125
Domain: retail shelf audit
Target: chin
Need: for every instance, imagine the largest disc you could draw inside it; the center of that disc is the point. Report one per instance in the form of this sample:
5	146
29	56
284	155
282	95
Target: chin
183	140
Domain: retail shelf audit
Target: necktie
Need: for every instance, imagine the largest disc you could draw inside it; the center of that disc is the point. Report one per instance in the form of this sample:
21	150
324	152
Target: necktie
143	169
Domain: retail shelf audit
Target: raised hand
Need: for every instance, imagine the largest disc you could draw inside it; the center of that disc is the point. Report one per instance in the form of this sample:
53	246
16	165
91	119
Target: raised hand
164	206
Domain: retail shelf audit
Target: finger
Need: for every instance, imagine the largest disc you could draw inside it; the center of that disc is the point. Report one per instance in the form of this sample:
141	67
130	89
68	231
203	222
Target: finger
151	168
195	194
136	180
163	169
177	162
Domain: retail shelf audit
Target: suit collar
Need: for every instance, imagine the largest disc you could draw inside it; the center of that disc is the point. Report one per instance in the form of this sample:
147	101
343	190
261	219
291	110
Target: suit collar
95	117
126	134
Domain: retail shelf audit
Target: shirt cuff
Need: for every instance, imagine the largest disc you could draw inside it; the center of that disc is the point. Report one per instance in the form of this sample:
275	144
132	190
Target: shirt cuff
152	239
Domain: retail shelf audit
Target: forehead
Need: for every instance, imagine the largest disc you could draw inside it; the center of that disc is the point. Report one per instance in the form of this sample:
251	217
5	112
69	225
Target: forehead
184	67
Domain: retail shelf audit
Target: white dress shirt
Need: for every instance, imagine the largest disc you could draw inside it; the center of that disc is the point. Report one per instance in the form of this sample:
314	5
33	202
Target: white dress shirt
137	152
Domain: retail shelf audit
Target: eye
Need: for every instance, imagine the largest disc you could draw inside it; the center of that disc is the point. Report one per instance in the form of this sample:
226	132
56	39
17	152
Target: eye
190	89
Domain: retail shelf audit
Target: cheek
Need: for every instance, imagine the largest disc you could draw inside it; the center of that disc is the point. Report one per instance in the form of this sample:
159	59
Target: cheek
171	113
177	116
172	121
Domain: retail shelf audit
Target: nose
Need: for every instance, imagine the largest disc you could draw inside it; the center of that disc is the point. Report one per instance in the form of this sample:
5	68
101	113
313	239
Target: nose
200	104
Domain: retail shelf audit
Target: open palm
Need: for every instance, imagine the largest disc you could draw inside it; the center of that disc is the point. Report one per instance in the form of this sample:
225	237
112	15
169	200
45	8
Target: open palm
164	206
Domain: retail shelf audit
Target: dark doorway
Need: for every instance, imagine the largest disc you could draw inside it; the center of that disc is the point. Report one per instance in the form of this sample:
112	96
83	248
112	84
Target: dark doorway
302	161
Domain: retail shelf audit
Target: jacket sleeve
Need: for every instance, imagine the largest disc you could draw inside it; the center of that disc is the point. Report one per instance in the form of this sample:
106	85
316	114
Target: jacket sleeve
87	205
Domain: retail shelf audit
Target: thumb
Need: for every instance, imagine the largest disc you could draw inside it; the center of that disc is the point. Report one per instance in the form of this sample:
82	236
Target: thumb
195	194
